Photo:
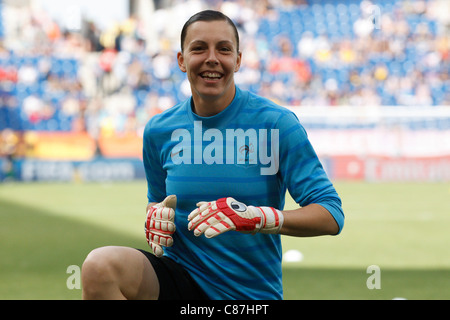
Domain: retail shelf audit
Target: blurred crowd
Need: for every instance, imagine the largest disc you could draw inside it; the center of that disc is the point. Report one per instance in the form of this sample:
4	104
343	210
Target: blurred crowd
295	52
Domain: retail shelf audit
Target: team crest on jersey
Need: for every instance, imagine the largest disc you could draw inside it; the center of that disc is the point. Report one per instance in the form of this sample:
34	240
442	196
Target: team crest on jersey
247	154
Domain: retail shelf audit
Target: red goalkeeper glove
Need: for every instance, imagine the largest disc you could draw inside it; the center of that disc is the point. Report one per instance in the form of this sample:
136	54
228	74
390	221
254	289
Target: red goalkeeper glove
160	226
225	214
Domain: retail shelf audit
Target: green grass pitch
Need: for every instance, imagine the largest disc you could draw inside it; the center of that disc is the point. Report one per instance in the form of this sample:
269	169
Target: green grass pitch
403	228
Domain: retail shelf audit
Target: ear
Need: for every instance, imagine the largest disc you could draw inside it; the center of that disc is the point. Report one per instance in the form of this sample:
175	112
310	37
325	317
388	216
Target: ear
238	61
181	64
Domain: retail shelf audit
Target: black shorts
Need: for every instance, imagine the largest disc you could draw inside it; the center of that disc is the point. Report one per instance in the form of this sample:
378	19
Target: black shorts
175	283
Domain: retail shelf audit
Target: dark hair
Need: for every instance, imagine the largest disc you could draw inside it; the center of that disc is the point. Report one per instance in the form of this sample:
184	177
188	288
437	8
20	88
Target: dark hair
208	15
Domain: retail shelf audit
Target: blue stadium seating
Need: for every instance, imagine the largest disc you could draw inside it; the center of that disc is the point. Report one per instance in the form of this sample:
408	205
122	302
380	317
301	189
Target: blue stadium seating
332	18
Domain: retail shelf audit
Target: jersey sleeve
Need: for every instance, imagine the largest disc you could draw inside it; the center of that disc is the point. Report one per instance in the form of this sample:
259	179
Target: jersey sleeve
302	172
154	172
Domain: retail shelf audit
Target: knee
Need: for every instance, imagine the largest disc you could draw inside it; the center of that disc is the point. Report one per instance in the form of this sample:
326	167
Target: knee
98	269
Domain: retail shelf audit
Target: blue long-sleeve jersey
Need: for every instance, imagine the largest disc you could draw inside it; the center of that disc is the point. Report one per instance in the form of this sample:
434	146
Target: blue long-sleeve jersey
253	151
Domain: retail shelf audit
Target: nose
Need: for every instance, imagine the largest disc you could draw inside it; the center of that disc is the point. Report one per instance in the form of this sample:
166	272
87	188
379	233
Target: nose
212	58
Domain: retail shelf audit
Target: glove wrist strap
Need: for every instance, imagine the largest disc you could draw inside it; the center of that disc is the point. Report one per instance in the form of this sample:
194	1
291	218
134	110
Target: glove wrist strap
271	219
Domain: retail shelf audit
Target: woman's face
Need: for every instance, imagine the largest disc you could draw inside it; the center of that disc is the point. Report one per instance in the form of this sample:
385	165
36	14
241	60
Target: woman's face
210	59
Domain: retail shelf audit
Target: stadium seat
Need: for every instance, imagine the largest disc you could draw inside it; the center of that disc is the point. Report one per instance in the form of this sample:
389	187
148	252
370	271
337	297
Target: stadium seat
331	18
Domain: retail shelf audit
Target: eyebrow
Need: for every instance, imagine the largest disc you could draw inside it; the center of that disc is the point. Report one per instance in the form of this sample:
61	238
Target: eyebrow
222	42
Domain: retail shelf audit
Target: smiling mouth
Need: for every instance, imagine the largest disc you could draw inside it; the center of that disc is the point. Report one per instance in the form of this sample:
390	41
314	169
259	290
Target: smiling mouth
211	75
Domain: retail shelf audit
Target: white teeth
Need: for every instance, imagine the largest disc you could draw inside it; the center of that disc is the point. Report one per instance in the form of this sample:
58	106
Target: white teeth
211	75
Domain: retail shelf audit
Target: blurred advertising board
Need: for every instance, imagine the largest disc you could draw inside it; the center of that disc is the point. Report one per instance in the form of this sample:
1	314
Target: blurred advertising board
372	169
388	169
96	170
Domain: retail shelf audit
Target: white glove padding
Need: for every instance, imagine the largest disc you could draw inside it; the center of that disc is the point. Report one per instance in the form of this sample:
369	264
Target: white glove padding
160	226
225	214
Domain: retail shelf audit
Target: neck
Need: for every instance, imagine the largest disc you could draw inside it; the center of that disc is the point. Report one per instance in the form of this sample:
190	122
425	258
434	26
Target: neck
205	106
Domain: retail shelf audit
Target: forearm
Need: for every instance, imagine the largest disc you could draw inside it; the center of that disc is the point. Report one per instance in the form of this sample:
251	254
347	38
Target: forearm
309	221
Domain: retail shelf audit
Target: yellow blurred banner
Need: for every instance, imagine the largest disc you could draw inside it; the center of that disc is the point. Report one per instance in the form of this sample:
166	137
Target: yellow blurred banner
63	146
77	146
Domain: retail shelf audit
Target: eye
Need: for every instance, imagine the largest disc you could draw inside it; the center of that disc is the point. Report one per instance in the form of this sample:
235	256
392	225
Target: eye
238	206
197	47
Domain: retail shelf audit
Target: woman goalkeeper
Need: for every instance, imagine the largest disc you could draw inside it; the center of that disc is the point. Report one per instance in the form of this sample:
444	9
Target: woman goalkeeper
218	167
